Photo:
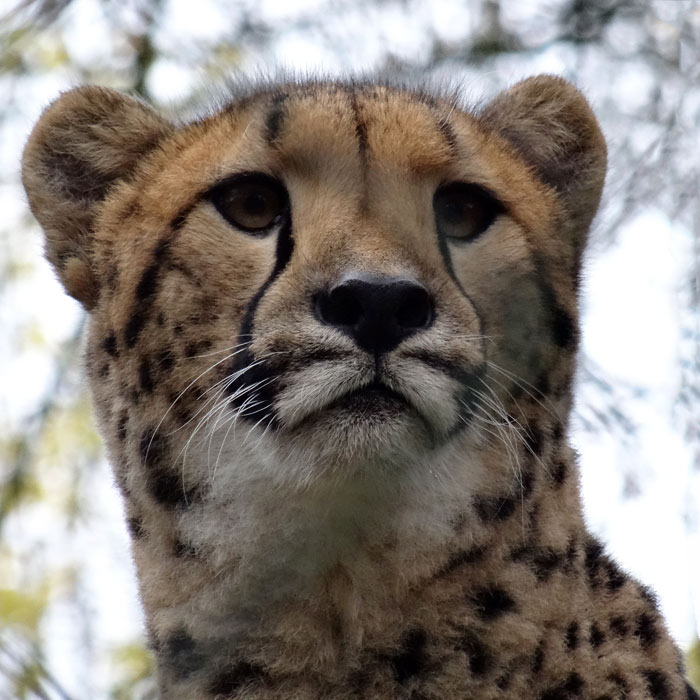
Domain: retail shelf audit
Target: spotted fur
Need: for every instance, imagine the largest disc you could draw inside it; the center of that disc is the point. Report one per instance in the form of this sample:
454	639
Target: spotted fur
327	502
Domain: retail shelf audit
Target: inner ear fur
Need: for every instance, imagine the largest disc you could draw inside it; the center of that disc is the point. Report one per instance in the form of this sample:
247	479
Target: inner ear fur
85	142
549	123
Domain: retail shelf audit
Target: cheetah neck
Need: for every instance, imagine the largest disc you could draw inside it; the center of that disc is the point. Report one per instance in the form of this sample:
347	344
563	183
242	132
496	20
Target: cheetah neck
334	571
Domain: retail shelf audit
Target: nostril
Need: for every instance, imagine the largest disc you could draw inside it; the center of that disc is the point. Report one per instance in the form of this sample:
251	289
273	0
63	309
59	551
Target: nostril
415	309
339	307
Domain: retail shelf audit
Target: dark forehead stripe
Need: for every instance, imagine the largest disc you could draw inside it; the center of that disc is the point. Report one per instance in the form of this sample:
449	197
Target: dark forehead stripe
442	120
275	117
360	130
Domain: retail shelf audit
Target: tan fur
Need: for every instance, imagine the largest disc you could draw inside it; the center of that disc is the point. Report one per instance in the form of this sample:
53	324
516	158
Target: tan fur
326	548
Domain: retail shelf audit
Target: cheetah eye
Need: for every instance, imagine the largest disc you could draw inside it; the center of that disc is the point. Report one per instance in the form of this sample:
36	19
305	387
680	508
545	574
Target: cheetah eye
464	211
252	202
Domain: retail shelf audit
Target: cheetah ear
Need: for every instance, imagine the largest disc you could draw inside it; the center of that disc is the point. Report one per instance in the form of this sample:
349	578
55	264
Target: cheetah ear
84	143
550	124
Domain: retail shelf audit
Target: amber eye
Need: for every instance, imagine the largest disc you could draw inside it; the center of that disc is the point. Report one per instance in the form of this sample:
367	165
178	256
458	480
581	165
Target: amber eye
252	202
464	211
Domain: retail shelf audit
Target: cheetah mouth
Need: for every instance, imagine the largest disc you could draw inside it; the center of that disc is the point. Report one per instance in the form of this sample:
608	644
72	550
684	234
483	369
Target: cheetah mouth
370	397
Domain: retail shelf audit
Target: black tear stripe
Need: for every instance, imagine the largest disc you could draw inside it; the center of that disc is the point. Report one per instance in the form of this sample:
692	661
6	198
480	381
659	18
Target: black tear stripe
257	404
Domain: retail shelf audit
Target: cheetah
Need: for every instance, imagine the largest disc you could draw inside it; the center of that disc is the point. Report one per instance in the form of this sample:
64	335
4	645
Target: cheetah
332	338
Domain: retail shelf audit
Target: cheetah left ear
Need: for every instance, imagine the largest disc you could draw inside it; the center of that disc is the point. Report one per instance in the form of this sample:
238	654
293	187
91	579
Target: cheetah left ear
551	126
84	143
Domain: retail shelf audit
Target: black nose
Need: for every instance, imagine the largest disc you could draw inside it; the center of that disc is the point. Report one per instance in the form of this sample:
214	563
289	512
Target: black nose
376	313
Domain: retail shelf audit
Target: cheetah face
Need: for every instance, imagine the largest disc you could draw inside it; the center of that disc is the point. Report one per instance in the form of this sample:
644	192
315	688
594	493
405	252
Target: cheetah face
349	348
351	274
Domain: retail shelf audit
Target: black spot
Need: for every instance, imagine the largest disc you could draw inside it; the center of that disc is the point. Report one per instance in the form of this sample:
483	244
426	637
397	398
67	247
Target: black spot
594	561
563	328
147	285
135	527
459	523
658	684
166	360
145	376
646	630
230	681
535	440
558	431
571	555
504	680
461	558
135	325
616	577
570	688
479	657
648	595
538	659
152	446
109	344
543	561
411	660
559	472
572	636
104	370
527	483
690	693
165	487
562	325
619	626
164	484
596	637
181	654
121	426
492	603
620	683
183	550
197	348
494	509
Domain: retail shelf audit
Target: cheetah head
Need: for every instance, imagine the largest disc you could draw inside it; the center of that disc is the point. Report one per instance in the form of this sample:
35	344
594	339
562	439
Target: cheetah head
319	280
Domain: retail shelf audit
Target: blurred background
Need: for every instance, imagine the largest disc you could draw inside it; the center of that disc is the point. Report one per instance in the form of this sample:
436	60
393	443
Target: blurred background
70	625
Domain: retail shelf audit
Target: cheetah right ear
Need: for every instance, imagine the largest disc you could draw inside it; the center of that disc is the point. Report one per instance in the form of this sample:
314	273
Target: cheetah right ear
85	142
549	123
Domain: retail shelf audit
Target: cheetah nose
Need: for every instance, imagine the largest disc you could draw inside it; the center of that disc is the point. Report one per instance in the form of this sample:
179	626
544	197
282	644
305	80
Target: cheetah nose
377	313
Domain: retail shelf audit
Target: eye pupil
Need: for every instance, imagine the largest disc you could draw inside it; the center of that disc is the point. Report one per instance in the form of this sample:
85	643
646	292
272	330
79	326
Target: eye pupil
256	203
252	203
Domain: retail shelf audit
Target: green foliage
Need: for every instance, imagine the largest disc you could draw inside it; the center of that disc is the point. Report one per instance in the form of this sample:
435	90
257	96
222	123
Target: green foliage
693	662
23	609
133	667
